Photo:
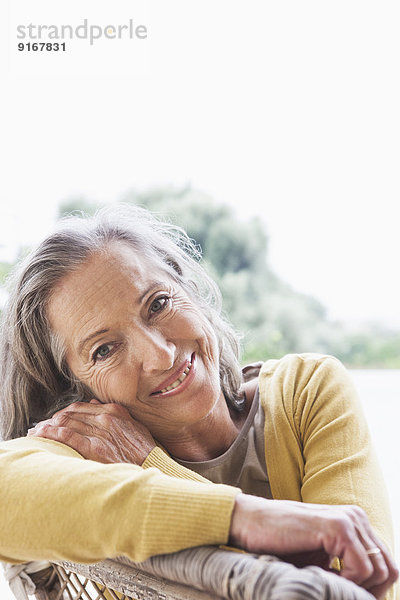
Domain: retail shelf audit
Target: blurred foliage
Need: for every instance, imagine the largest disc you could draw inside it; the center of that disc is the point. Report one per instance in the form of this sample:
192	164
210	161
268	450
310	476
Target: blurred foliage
4	269
273	318
367	346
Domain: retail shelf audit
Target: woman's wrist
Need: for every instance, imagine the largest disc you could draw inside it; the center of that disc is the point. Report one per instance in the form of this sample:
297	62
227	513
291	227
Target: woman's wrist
236	532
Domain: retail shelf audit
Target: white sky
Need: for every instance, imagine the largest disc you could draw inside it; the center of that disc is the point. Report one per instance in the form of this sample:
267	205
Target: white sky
287	110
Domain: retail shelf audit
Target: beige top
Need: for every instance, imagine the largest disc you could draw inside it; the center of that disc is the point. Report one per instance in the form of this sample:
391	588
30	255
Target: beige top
243	464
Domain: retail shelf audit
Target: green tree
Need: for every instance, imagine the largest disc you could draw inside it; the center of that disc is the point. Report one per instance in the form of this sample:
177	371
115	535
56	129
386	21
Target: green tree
273	318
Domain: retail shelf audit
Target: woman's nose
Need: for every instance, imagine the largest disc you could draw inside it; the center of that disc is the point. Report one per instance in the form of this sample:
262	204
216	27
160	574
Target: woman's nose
157	353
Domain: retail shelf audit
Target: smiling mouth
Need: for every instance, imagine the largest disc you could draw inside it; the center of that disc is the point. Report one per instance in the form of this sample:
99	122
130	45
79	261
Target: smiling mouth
178	381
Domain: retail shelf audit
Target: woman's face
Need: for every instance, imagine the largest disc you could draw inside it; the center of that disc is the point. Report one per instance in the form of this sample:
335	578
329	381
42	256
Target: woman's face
134	337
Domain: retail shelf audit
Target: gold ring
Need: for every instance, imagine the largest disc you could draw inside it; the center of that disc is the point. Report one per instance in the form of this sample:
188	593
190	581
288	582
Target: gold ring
336	564
373	551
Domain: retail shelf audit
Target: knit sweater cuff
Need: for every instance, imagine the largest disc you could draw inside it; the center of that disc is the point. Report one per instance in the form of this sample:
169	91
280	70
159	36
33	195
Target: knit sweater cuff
181	516
164	463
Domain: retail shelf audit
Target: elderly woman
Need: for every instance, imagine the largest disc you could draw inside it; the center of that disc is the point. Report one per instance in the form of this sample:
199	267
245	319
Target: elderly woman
114	350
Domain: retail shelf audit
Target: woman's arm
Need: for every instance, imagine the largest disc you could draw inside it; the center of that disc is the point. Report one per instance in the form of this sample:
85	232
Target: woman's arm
275	527
318	446
54	505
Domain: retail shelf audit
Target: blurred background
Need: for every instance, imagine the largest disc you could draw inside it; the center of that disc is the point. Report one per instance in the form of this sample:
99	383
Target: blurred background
269	130
273	315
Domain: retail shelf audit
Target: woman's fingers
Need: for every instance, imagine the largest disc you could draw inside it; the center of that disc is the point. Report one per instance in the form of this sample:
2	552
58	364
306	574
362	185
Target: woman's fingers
385	571
380	591
85	427
88	440
103	432
365	558
357	565
283	527
64	435
95	407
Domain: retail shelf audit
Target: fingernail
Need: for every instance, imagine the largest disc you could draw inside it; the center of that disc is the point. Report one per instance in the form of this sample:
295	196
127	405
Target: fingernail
31	430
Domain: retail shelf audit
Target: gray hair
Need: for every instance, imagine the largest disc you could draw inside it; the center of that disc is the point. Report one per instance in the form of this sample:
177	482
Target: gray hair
35	379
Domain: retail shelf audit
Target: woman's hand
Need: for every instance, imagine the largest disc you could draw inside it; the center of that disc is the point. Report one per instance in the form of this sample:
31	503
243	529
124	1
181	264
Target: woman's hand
282	528
103	432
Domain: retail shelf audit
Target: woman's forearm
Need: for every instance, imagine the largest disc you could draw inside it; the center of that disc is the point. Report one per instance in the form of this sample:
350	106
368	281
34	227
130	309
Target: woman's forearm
54	504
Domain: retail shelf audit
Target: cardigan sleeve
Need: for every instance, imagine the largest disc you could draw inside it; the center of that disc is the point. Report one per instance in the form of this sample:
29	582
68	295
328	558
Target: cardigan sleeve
318	445
56	505
161	460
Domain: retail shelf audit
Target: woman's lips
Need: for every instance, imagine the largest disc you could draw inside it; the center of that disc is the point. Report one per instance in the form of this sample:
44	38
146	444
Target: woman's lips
182	377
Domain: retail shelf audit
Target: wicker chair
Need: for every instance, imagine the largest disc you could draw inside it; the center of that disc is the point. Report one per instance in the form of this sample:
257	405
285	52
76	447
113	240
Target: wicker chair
196	574
109	580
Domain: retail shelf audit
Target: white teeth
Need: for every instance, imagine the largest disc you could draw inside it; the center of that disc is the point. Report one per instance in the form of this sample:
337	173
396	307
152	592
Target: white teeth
177	381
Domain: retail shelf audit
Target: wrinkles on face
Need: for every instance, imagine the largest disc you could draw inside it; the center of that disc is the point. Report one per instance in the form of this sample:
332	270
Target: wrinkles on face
201	328
99	380
146	328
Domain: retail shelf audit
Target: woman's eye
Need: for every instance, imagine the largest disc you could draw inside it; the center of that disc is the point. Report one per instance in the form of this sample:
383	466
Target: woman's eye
102	352
159	304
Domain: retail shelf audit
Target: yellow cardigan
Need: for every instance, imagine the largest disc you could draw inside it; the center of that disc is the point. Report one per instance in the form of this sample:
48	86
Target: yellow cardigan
56	505
317	443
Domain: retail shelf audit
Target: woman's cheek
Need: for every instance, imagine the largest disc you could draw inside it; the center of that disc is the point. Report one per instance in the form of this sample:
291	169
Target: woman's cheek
208	341
98	384
191	323
116	383
96	378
